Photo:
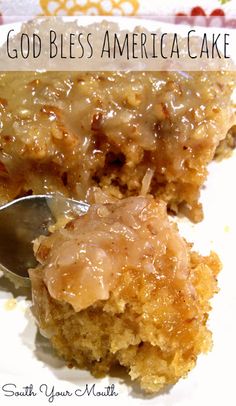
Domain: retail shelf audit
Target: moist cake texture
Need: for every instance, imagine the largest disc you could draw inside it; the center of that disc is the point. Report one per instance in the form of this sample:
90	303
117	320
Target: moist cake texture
118	285
128	133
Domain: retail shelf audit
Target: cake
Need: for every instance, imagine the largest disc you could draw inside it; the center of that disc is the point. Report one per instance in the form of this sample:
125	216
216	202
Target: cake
128	133
119	285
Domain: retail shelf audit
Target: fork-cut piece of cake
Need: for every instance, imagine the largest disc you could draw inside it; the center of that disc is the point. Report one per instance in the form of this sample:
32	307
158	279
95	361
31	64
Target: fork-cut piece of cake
119	285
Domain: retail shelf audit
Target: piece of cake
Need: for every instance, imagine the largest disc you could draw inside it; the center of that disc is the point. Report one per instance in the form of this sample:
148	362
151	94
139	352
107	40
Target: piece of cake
127	133
118	285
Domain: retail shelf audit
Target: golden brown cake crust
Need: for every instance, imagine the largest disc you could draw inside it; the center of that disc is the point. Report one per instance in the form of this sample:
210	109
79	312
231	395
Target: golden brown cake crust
125	132
153	323
157	338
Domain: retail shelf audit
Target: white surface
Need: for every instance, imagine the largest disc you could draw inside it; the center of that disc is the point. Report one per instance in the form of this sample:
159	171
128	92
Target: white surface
26	359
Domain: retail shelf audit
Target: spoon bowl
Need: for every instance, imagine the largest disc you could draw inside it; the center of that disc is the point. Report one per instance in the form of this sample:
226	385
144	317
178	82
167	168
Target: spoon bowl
21	222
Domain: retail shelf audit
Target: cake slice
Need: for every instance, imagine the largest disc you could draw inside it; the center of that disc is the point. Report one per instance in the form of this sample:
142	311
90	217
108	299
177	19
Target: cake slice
118	285
126	132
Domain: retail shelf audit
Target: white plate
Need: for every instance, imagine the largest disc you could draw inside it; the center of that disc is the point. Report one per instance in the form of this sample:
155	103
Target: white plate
26	358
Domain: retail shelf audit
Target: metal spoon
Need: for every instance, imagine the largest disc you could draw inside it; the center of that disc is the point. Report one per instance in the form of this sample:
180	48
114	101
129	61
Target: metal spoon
23	220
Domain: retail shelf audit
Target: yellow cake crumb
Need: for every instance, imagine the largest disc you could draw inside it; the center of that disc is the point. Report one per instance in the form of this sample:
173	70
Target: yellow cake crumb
119	285
10	304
